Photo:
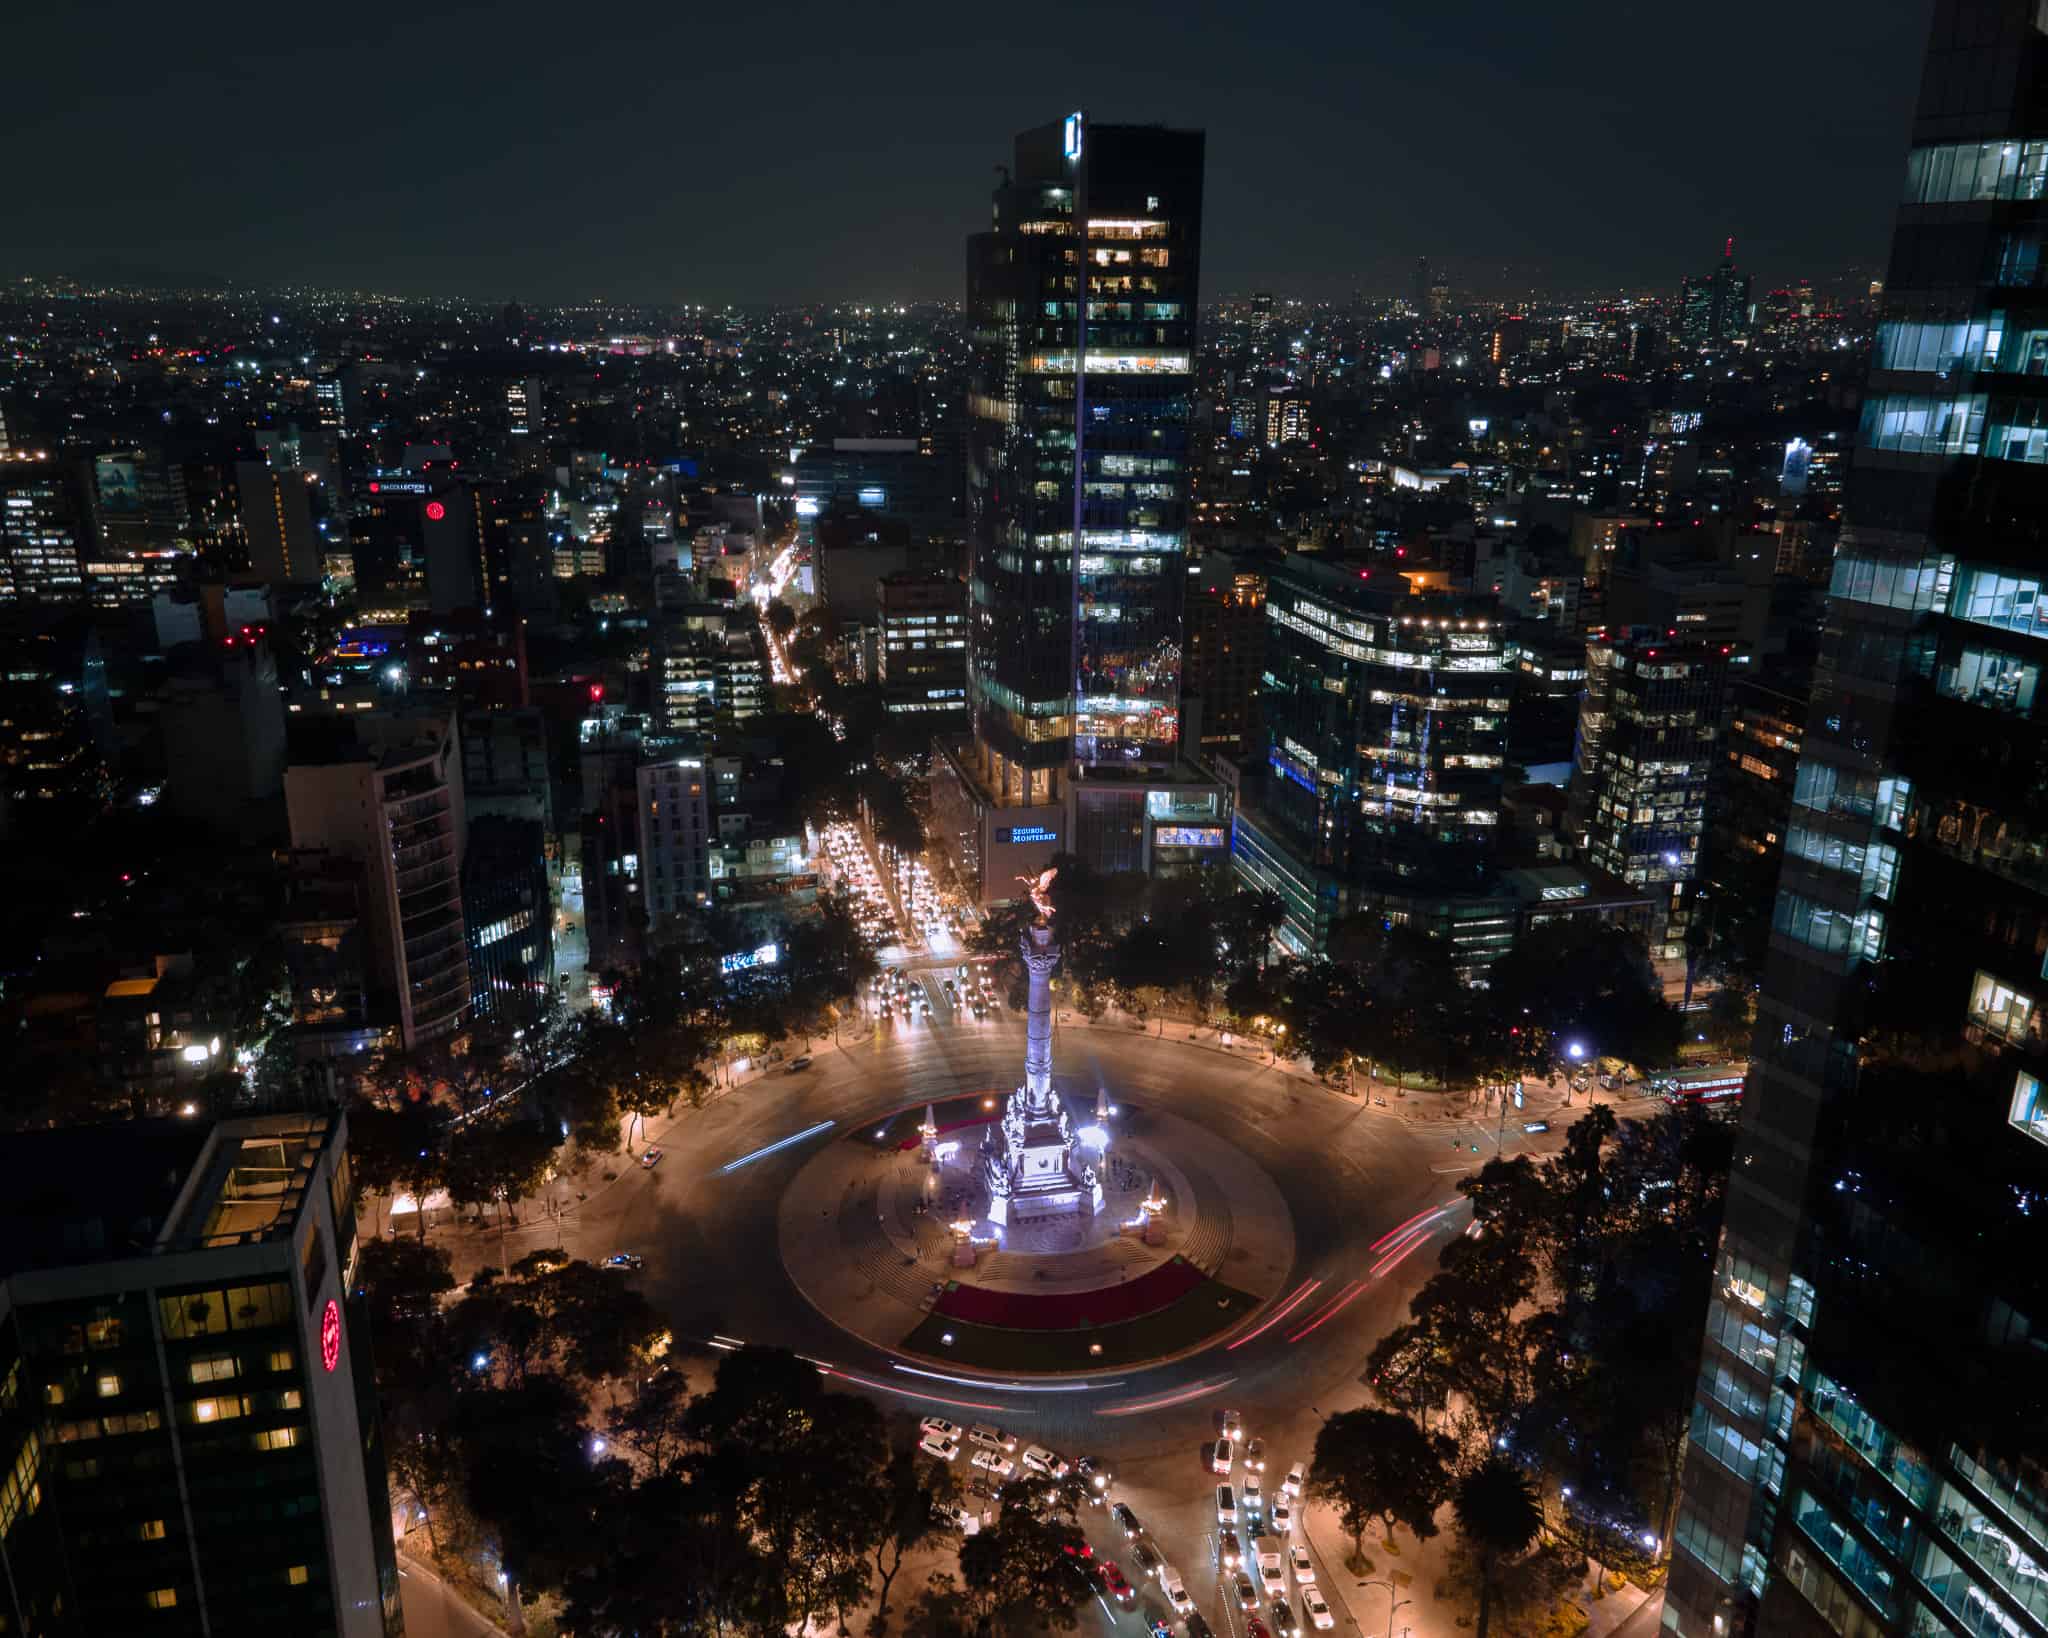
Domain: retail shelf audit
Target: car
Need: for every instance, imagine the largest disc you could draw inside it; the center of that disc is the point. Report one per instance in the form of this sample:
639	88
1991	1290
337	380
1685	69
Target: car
1247	1594
1283	1617
1317	1611
1532	1127
1082	1551
1255	1455
1297	1476
1116	1584
1146	1557
1254	1492
651	1159
1226	1505
1176	1591
798	1065
990	1437
1228	1553
623	1261
1282	1515
1196	1627
1255	1628
994	1461
1127	1521
1222	1456
1232	1425
1037	1459
1095	1476
939	1425
937	1444
1159	1627
1270	1574
1304	1566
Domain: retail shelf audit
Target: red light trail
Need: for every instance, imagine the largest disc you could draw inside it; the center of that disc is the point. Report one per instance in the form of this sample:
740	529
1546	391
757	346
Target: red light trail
1276	1316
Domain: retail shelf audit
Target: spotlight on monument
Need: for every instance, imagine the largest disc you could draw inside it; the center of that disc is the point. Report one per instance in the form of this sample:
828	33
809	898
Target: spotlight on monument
1094	1137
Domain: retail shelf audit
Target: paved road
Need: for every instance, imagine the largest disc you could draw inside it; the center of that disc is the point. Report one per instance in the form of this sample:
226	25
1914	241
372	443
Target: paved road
433	1609
1362	1183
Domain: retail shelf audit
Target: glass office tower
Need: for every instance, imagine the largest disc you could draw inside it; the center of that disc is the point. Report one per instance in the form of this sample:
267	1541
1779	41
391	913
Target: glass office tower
1871	1419
1081	310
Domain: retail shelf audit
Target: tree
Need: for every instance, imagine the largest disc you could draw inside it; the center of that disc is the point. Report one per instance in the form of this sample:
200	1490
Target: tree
797	1468
781	618
654	1423
498	1159
530	1473
1375	1464
908	1496
1024	1569
1498	1517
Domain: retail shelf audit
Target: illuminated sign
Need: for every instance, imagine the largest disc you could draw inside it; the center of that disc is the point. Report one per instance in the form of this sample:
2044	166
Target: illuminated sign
436	511
1191	836
765	956
1028	834
874	497
806	507
330	1334
1477	427
1073	135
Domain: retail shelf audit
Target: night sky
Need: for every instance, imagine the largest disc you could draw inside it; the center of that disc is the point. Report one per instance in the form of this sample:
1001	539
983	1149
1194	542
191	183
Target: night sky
772	152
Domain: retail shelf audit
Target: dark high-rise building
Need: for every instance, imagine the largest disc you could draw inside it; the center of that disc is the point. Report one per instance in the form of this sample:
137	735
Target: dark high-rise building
922	651
1648	721
1869	1447
187	1420
1386	725
1713	308
1081	303
1225	652
507	916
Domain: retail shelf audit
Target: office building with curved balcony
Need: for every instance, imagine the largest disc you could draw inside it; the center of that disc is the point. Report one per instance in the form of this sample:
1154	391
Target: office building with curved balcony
384	790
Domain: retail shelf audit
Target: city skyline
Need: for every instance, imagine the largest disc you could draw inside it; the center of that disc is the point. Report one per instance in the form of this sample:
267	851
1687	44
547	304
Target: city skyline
460	164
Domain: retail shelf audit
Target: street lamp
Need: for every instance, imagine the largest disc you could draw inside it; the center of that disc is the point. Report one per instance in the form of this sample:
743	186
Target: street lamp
1394	1605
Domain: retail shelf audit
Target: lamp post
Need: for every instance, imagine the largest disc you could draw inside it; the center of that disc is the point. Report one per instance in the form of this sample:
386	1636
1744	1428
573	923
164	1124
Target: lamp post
1394	1605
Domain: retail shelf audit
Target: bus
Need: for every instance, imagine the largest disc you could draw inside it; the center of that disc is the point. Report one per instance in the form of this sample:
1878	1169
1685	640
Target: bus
1710	1085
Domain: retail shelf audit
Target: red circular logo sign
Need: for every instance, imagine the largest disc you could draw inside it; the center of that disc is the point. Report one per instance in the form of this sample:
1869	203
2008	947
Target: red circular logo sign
436	511
330	1335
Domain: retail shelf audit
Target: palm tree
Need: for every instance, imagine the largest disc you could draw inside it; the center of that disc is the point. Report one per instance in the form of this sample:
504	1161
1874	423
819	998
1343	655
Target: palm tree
1498	1517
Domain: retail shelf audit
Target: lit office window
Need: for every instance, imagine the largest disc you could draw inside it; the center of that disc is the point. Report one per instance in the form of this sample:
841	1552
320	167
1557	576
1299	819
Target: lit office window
2030	1107
2000	1008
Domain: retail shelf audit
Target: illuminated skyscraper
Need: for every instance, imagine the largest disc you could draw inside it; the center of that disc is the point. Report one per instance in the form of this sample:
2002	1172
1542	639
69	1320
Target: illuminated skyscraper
1869	1452
1081	303
1713	308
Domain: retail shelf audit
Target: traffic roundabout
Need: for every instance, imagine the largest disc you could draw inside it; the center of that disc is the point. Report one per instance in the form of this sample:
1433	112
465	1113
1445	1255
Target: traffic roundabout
887	1233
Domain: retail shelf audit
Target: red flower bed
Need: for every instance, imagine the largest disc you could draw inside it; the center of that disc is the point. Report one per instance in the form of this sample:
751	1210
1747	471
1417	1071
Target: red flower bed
1161	1288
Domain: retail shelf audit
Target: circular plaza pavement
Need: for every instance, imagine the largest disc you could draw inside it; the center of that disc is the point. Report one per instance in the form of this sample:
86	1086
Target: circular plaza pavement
865	1231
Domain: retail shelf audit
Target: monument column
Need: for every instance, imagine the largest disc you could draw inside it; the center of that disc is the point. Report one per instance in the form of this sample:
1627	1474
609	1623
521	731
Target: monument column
1041	955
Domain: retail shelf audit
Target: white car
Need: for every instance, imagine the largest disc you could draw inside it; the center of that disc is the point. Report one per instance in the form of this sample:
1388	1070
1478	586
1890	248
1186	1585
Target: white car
1232	1425
1316	1610
939	1425
1304	1566
1176	1593
1254	1496
991	1438
1223	1456
1037	1459
1283	1515
937	1444
994	1461
957	1518
1271	1575
1297	1476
